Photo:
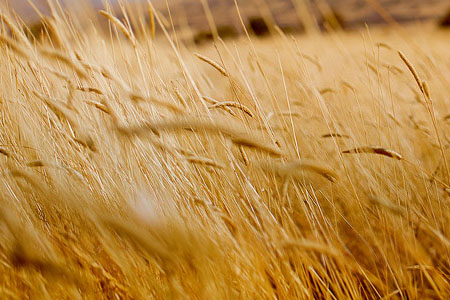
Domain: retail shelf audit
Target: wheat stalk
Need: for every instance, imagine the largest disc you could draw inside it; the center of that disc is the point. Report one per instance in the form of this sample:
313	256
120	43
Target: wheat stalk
375	150
244	155
64	113
423	86
180	97
204	161
214	102
152	21
296	167
384	45
137	97
213	64
100	106
5	152
234	104
202	125
121	27
242	140
412	70
387	204
14	30
335	135
90	90
58	109
15	47
326	91
64	59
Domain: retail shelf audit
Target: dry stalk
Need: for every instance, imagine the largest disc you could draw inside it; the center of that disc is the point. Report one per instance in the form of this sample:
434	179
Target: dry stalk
15	31
15	47
326	91
412	70
58	109
244	155
384	45
90	90
214	102
180	97
202	125
63	113
152	22
293	114
311	246
382	202
121	27
296	167
423	86
99	106
335	135
212	63
5	152
204	161
242	140
136	97
65	60
375	150
237	105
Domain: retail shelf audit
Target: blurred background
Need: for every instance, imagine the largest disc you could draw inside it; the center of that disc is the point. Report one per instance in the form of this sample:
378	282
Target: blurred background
260	16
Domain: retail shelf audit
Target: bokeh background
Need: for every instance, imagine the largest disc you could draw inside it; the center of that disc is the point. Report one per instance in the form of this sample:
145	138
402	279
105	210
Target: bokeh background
285	12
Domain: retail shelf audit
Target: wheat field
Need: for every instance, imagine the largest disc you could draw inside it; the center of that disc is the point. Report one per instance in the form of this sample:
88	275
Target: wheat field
137	166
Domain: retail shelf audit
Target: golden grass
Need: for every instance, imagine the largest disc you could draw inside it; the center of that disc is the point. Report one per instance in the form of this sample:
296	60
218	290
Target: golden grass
234	104
126	31
212	63
164	197
375	150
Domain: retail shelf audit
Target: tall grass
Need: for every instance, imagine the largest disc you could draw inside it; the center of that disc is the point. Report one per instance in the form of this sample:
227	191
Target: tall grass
135	167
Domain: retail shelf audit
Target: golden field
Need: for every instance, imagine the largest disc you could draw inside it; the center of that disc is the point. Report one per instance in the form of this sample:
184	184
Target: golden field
289	167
